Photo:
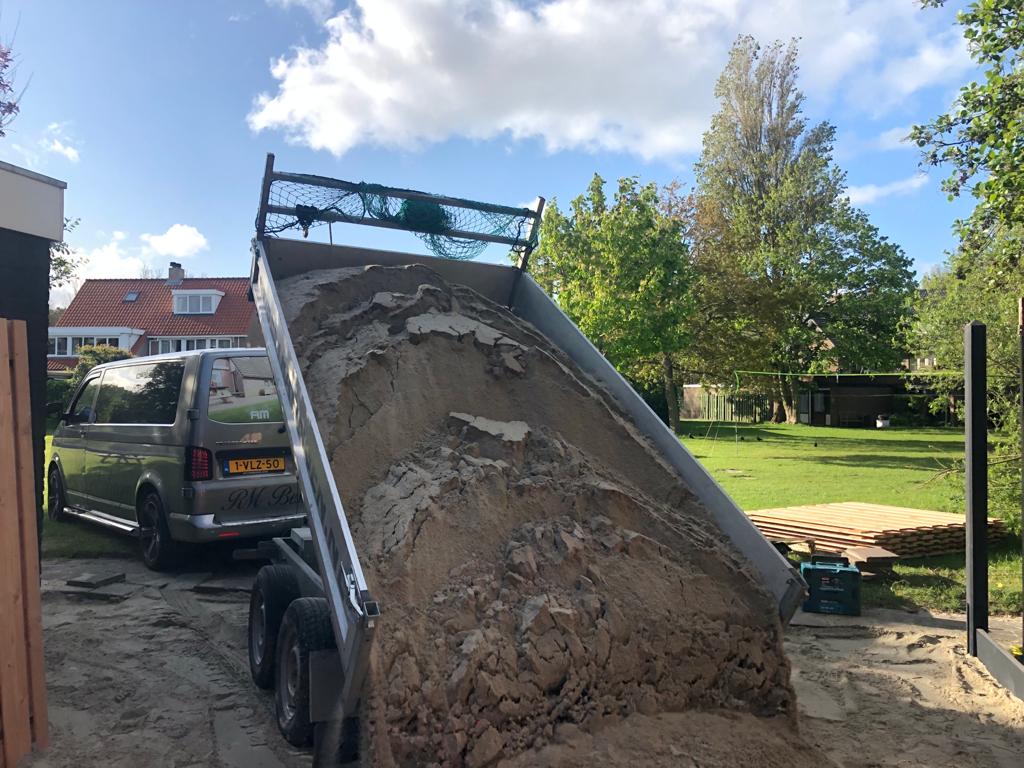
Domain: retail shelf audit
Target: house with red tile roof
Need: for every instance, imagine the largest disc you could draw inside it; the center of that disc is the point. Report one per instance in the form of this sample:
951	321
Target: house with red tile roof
153	316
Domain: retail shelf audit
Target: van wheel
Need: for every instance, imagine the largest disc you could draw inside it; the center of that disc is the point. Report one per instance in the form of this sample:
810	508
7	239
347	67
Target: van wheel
306	627
55	499
159	551
273	591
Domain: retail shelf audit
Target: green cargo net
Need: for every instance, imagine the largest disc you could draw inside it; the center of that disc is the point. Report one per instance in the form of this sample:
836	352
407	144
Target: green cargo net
451	228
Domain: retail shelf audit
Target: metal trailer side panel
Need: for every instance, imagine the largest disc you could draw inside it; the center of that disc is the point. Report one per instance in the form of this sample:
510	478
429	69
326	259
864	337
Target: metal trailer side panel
352	610
496	282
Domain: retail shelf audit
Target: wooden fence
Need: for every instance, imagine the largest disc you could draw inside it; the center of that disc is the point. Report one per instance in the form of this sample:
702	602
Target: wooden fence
724	405
23	720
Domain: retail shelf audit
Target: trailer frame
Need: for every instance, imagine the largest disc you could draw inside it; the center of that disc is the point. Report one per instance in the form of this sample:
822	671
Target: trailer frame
324	555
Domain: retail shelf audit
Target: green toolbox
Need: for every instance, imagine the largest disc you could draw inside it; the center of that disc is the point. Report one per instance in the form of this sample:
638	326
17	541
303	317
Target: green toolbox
833	584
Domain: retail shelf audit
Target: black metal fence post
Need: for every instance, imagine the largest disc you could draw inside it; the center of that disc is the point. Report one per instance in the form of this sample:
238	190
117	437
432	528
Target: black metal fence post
1020	339
976	481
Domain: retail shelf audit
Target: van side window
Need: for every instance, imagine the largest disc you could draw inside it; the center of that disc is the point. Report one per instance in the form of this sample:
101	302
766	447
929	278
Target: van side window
140	394
81	412
242	391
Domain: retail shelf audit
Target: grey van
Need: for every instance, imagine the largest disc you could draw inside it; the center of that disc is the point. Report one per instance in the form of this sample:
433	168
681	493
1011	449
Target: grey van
186	447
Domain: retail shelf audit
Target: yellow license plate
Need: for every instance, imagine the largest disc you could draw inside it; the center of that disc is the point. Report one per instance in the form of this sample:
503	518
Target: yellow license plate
247	466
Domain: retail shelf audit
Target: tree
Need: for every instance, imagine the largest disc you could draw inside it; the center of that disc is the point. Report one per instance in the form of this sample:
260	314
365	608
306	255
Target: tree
91	356
973	286
981	140
621	271
64	262
8	101
981	137
792	278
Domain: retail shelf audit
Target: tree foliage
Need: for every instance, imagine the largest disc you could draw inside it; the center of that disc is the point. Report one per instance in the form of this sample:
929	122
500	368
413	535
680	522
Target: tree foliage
981	137
620	270
792	277
63	261
8	100
90	356
971	287
981	140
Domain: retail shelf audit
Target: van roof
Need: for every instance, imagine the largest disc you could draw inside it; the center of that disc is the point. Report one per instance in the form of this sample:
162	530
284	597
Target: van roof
231	352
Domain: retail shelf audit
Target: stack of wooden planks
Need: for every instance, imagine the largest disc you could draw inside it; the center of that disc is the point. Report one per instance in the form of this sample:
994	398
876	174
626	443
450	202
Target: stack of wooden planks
837	527
22	681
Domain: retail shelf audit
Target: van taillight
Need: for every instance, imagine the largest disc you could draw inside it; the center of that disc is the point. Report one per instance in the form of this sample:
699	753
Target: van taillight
198	464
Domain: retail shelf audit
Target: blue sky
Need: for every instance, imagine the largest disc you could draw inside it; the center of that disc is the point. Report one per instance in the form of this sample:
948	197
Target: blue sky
159	115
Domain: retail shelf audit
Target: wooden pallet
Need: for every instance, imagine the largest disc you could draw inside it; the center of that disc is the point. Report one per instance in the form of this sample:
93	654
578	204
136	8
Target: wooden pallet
23	720
905	531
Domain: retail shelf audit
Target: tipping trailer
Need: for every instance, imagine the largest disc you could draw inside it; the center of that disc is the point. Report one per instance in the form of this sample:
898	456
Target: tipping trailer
312	616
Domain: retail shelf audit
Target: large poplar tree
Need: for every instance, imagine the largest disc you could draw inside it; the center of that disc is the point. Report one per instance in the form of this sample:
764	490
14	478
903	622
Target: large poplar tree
792	277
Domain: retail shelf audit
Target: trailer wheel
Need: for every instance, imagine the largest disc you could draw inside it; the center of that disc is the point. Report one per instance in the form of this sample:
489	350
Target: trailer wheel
306	627
336	743
274	589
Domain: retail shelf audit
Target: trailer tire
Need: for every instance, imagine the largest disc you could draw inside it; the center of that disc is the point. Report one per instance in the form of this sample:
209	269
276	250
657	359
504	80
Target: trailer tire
272	592
306	627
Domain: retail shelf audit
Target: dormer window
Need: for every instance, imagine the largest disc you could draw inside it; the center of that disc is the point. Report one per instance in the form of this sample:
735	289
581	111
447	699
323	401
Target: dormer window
196	302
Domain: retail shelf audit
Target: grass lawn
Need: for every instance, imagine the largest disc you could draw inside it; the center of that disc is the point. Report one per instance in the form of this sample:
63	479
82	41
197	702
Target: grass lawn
789	464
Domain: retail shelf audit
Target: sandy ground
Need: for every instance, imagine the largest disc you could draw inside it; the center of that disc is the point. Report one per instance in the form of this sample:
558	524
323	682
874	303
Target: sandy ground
898	689
156	673
161	679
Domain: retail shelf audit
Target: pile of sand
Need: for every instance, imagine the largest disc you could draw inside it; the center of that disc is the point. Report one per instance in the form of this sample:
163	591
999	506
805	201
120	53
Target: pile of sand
543	574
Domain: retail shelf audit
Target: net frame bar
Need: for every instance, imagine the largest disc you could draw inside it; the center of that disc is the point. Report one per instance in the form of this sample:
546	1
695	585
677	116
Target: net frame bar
524	245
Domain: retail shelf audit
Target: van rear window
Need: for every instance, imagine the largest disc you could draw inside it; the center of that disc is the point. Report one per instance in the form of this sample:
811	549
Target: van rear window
242	391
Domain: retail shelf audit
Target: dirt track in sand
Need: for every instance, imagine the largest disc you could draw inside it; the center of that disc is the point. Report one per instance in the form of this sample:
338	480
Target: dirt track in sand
540	567
161	679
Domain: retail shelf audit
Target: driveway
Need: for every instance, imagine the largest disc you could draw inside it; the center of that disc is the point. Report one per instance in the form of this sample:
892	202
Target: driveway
154	671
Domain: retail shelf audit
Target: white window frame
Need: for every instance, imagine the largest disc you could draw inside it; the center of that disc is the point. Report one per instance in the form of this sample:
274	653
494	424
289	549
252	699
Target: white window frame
162	345
197	301
61	346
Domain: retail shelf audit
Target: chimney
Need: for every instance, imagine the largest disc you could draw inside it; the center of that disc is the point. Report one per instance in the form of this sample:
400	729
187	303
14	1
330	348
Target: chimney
175	274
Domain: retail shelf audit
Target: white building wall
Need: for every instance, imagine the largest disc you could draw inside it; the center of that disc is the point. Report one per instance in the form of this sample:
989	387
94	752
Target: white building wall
31	203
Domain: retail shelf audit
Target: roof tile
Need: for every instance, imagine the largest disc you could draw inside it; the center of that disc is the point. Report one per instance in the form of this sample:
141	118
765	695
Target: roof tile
100	302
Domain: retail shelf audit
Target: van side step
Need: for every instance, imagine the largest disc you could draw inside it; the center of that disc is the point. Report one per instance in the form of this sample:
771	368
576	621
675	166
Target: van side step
105	520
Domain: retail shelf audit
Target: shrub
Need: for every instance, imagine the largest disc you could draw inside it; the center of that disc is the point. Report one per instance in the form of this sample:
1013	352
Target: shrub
89	357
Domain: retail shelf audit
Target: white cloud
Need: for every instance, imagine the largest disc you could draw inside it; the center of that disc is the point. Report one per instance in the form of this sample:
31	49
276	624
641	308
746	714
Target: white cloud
180	241
56	141
59	147
586	74
895	138
111	259
117	257
319	9
52	140
929	64
870	193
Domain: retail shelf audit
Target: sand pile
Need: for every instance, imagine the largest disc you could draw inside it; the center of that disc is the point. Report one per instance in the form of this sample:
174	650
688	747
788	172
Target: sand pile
542	572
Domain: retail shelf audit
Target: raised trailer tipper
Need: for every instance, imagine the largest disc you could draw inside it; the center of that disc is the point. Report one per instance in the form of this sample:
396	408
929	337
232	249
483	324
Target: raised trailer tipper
313	616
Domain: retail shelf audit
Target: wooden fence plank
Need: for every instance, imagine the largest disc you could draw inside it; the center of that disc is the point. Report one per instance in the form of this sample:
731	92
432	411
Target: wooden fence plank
27	502
14	694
